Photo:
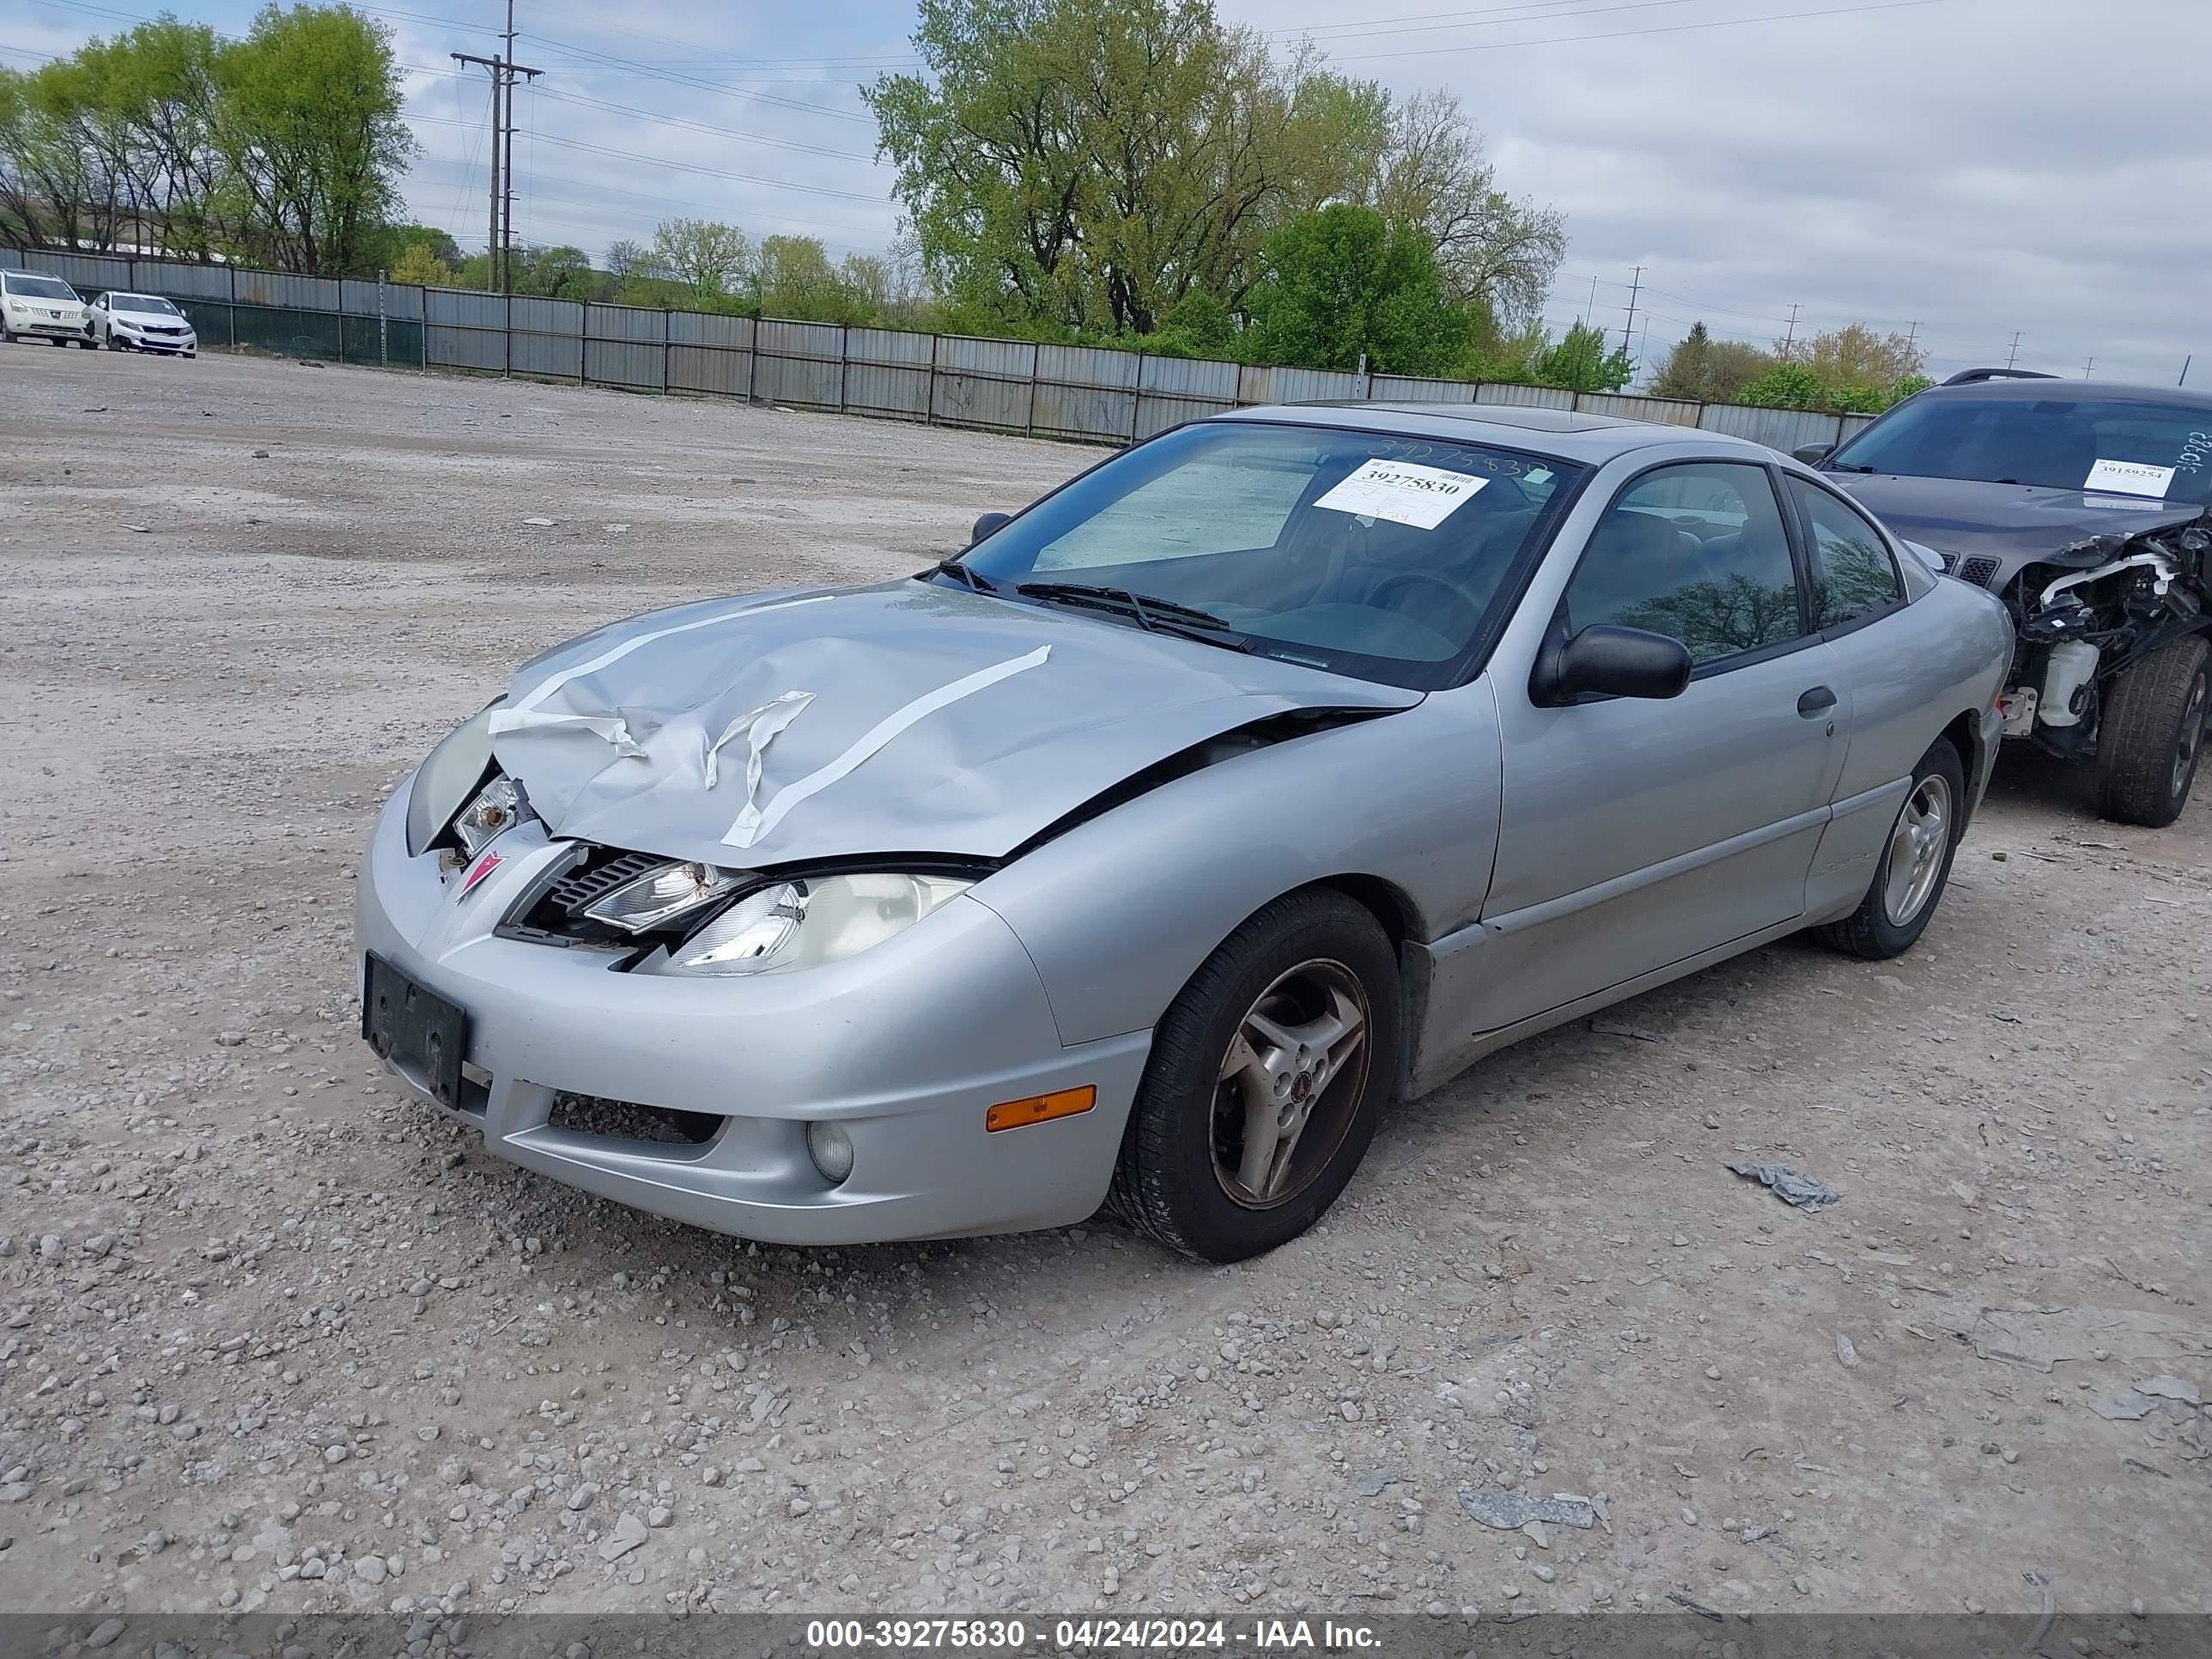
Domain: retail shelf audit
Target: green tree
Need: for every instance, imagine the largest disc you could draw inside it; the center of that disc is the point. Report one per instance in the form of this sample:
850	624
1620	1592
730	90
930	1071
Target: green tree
310	128
1786	385
388	243
1493	250
1342	285
1580	362
556	273
1197	325
1856	355
1706	370
713	263
795	279
418	264
1069	168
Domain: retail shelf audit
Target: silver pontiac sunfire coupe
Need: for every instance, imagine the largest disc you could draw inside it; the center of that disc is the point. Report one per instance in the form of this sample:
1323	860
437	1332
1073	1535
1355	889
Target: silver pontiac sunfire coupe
1279	766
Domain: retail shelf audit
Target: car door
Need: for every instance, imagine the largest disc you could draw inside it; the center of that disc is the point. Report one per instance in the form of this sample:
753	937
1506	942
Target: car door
1858	602
1636	833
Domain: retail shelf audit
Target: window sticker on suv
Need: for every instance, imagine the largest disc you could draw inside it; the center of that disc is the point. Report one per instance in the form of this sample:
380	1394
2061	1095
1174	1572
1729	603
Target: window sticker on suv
2130	478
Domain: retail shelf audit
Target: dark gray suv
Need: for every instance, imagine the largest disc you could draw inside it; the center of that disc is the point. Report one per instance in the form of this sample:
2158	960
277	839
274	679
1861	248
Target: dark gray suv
2084	507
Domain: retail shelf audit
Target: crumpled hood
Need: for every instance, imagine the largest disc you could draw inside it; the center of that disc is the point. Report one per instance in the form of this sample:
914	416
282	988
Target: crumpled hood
2015	524
903	718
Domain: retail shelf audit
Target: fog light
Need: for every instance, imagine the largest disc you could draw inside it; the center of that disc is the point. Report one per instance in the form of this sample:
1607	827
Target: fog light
831	1149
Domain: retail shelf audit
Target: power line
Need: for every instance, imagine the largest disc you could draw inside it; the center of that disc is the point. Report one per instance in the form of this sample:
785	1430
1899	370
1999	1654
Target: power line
701	126
798	103
680	167
1669	28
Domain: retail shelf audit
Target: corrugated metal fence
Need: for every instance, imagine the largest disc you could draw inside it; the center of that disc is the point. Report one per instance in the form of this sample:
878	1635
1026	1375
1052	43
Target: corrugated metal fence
1093	394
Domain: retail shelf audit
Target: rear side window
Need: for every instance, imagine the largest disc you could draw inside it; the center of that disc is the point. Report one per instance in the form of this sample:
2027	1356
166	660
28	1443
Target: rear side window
1696	551
1853	575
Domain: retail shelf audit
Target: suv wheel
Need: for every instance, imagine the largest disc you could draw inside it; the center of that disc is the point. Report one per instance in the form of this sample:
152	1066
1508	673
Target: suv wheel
2152	734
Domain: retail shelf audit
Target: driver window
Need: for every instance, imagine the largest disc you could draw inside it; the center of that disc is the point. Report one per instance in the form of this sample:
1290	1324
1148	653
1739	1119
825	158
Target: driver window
1696	551
1231	502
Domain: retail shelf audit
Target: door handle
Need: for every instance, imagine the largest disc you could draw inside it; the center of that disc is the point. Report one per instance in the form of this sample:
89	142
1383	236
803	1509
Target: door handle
1816	702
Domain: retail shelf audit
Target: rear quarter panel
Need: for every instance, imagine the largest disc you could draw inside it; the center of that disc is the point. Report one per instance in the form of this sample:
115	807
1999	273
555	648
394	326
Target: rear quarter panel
1911	675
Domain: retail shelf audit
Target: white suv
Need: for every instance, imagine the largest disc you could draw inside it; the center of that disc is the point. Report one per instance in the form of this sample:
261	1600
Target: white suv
38	307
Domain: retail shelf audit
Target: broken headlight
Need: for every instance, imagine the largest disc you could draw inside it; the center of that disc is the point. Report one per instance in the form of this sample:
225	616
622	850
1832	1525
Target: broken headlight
448	777
662	894
803	924
494	809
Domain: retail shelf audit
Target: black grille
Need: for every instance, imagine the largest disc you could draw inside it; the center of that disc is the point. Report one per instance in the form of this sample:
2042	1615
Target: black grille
626	1120
1978	571
591	880
554	913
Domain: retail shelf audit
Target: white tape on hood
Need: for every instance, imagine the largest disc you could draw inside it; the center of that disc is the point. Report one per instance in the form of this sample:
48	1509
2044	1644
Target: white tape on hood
525	714
756	822
759	728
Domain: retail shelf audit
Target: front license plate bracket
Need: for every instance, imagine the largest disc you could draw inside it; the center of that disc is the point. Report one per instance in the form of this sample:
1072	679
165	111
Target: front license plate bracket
413	1028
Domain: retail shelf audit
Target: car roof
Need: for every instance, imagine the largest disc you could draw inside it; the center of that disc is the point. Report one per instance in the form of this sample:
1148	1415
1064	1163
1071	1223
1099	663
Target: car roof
1570	434
2073	392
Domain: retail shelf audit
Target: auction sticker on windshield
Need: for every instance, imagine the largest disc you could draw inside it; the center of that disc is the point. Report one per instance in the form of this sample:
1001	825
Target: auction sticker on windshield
1422	496
2130	478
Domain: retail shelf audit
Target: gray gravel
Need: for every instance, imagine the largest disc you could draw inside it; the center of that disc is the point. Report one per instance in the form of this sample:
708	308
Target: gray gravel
271	1339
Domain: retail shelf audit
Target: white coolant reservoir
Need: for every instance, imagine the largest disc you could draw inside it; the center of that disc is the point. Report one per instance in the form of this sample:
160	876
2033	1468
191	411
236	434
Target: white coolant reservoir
2072	664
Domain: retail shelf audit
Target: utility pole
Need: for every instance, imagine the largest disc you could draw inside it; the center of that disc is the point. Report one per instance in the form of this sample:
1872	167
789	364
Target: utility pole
507	167
499	242
2087	367
1635	288
2185	362
1592	306
1790	338
2013	354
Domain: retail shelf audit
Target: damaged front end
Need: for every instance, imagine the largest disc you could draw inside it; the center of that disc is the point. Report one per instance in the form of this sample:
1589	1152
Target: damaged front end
2089	612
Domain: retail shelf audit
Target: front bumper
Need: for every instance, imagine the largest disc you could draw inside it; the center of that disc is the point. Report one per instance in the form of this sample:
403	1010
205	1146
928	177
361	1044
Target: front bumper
177	343
905	1046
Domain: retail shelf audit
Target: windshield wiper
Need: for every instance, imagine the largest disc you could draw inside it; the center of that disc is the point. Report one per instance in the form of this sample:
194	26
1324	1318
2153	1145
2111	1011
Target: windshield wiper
1146	606
959	572
1847	466
1152	613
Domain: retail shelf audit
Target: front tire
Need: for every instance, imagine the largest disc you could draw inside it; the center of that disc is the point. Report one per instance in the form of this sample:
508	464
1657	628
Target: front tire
2152	734
1266	1075
1914	866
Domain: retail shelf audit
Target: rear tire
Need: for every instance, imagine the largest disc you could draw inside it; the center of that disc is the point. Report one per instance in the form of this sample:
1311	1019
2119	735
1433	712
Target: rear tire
2152	734
1914	866
1311	962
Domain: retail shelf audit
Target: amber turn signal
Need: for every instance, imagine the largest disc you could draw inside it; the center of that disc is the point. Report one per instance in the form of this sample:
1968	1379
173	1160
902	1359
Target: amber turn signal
1019	1114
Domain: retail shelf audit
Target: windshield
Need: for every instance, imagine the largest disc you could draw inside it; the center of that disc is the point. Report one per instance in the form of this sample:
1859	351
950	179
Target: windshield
1369	554
38	288
153	303
2149	451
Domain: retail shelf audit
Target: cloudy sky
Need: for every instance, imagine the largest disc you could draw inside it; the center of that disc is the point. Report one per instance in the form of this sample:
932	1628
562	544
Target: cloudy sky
1975	168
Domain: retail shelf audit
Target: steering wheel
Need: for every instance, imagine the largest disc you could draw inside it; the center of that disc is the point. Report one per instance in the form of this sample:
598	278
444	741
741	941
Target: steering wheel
1379	598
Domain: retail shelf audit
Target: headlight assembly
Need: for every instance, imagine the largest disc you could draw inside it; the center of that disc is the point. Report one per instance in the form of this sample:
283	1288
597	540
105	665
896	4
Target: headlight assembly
803	924
445	780
662	894
494	809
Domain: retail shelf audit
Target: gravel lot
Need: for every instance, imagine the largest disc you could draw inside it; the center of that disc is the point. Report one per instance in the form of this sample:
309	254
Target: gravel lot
272	1338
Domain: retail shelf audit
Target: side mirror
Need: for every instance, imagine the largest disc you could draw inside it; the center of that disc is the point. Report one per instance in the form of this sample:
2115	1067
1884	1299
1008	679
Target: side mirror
988	523
1614	662
1813	454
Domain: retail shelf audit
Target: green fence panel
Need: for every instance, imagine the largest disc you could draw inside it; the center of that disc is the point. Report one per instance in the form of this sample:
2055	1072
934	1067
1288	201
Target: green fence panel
287	332
210	321
402	340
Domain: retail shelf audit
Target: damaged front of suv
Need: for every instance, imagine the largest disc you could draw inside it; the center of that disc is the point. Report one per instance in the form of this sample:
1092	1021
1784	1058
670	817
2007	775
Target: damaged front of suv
2085	509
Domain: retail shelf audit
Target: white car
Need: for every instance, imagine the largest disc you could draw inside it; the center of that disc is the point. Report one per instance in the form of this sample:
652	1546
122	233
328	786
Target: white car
35	307
141	322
